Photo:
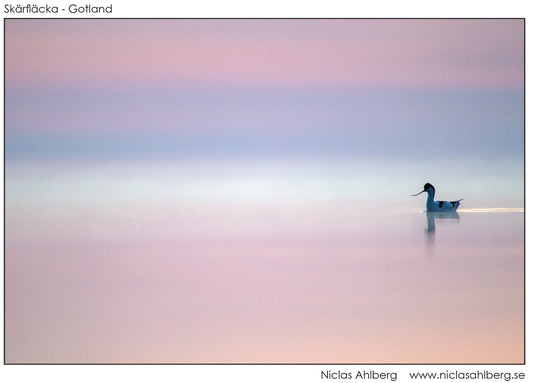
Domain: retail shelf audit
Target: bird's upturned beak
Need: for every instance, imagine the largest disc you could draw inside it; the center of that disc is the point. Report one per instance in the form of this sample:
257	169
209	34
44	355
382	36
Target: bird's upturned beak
414	195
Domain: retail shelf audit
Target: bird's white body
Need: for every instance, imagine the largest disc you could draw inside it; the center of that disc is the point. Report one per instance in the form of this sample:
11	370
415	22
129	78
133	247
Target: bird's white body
432	205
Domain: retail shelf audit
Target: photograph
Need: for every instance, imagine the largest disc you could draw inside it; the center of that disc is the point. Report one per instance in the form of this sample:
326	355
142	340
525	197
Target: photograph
264	191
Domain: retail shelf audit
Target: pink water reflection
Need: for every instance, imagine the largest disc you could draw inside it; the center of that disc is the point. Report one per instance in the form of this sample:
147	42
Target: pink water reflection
291	294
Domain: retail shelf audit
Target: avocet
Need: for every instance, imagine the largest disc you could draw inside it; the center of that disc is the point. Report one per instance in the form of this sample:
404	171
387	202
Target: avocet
432	205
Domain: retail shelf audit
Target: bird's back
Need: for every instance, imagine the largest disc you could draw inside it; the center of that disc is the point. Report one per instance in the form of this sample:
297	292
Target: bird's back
443	205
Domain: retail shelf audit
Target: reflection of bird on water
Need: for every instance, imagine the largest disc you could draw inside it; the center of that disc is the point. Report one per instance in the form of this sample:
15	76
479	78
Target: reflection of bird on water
430	230
439	206
431	215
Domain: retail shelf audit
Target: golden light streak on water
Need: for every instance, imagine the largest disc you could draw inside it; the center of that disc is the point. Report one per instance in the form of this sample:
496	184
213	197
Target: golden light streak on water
493	210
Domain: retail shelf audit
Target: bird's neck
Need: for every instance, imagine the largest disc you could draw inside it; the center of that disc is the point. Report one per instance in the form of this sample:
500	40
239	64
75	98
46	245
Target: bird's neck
431	196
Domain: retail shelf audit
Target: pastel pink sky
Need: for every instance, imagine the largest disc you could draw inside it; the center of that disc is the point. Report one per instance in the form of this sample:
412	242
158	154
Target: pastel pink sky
319	53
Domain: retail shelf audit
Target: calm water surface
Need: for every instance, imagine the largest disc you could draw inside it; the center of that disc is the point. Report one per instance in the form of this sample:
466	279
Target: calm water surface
106	270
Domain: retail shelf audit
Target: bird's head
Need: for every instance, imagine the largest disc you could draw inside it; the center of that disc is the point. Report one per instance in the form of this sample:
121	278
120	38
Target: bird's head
427	188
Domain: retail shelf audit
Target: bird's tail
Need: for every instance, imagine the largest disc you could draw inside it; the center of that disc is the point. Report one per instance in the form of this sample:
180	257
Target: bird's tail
456	204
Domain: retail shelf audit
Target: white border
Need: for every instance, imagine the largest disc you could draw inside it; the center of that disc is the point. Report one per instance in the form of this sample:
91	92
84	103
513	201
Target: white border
272	9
